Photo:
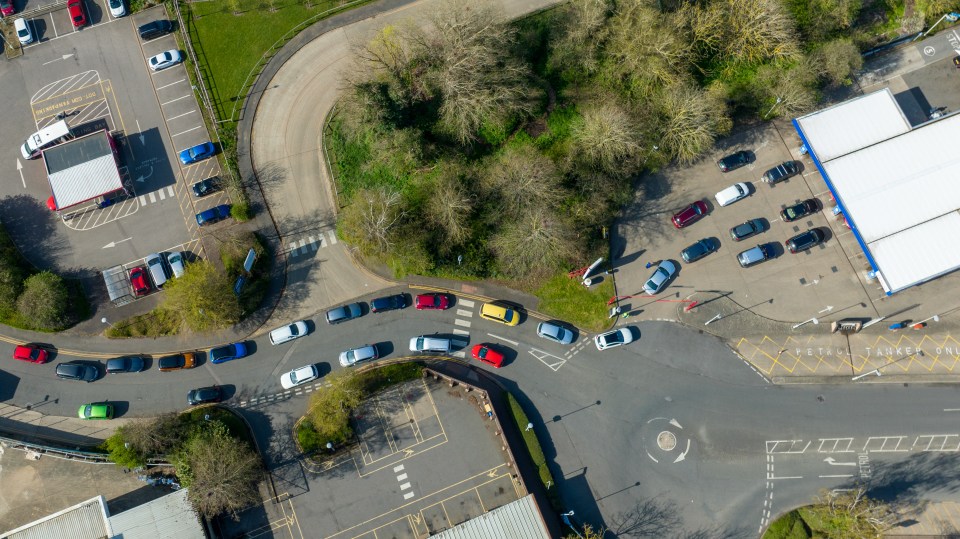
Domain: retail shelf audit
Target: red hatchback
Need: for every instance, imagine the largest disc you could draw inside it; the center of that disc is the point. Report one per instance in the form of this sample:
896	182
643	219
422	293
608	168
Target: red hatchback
138	278
483	352
77	14
689	215
31	353
433	301
6	7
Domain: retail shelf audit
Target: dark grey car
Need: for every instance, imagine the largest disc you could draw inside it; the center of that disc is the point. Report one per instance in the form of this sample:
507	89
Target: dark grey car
747	229
77	371
388	303
699	250
125	364
344	313
787	169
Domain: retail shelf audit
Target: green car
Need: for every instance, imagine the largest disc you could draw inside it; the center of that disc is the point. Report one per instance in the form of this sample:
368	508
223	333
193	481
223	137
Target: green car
96	410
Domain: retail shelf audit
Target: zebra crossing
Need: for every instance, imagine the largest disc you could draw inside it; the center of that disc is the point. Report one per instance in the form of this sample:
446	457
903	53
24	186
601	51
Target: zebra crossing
158	195
310	244
462	321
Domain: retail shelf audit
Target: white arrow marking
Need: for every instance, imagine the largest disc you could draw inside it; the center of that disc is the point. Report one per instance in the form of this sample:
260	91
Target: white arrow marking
142	143
684	454
64	57
20	170
114	243
831	462
828	309
675	423
142	177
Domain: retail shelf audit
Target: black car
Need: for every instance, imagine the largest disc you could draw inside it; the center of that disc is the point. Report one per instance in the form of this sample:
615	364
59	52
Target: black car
787	169
344	313
155	29
77	371
388	303
699	250
125	364
747	229
735	160
800	210
805	240
204	187
204	395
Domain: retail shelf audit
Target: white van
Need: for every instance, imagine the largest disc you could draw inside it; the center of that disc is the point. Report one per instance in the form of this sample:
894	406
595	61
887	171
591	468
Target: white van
46	137
732	194
157	272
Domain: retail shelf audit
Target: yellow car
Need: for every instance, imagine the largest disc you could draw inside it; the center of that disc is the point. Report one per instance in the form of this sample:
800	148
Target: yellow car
499	313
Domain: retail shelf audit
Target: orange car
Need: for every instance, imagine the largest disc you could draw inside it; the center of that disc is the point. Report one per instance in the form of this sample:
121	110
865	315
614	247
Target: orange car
176	362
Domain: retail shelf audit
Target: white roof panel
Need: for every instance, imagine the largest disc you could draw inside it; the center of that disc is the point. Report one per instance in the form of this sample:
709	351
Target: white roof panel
516	520
853	124
86	520
919	253
82	169
168	517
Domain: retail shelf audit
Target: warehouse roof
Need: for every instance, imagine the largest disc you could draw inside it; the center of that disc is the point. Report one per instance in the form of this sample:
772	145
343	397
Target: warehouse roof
82	169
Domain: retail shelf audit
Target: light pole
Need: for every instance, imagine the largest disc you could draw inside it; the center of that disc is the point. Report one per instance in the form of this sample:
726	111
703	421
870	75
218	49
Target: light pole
814	320
714	319
529	427
952	17
779	100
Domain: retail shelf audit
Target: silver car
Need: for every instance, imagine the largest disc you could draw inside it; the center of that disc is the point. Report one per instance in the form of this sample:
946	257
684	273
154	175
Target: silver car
288	333
613	338
344	313
351	357
175	261
554	332
299	376
665	270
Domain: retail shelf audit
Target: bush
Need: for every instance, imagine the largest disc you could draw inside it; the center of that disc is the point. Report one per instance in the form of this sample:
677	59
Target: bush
241	211
535	451
788	526
308	438
119	453
156	323
44	301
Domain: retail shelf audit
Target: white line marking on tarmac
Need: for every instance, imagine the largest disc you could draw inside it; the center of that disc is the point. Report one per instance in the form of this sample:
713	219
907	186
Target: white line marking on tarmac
515	343
464	323
466	303
181	115
187	131
459	331
408	495
174	100
464	312
171	84
397	468
333	237
405	486
401	477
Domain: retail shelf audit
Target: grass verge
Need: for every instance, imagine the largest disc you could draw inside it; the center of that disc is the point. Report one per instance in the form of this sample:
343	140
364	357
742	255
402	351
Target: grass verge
156	323
788	526
566	299
535	451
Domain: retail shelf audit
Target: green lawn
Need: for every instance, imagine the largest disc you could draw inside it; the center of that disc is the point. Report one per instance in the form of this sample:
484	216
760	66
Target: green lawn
229	47
566	299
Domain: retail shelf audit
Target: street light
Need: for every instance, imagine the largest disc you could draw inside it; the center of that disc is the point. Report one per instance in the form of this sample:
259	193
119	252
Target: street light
814	320
779	100
529	426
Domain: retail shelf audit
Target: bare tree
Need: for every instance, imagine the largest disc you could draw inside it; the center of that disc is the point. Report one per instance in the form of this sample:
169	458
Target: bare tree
223	472
794	87
852	514
155	437
838	60
371	217
535	242
691	120
580	35
451	205
606	134
524	179
751	31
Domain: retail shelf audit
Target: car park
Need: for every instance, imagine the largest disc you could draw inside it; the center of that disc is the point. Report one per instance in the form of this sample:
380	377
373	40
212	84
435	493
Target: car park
661	275
157	272
116	8
175	261
7	8
388	303
755	255
204	395
73	370
288	333
213	215
783	171
746	229
499	313
430	344
486	354
299	376
197	153
138	278
805	240
353	356
735	160
344	313
155	29
689	215
732	194
611	339
228	352
30	353
77	14
167	59
432	300
96	410
204	187
24	33
800	210
123	364
176	362
699	250
554	332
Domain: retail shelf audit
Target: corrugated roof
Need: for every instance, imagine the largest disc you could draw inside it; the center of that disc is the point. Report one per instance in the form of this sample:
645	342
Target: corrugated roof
86	520
81	169
516	520
169	517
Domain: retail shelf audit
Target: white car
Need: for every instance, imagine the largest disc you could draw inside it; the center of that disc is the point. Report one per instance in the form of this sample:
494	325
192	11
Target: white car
165	59
299	376
732	194
288	333
175	261
24	34
613	338
116	8
353	356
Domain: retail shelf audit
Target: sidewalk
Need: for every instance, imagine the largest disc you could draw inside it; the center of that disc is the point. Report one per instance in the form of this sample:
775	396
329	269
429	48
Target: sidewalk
31	425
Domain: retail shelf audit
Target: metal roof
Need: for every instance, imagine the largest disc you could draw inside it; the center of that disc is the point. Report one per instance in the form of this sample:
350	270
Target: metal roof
169	517
82	169
516	520
86	520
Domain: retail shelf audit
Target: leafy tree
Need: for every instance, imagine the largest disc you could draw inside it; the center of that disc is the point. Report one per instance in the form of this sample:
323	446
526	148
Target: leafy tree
450	206
371	219
11	284
838	60
821	19
588	533
44	301
748	31
122	454
204	296
524	179
534	243
155	437
222	472
606	135
330	406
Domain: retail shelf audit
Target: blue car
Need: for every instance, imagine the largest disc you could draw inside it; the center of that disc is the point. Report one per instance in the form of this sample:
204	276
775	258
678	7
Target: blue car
213	215
197	153
221	354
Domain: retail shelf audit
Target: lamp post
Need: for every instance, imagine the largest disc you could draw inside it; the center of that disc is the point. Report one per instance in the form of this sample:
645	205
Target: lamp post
814	320
779	100
529	426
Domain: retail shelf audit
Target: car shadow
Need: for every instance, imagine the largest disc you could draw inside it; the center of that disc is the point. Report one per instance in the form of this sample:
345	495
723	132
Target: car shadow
311	325
323	368
228	391
251	347
776	248
120	408
384	348
509	354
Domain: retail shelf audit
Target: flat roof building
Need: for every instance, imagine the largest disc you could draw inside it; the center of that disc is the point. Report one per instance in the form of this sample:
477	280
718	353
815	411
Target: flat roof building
82	169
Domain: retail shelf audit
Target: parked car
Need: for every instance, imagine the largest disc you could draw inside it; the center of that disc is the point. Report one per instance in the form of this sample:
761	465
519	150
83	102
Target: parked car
125	364
746	229
228	352
554	332
176	362
353	356
699	250
204	187
204	395
433	300
486	354
197	153
155	29
430	344
499	313
299	376
7	8
344	313
96	410
30	353
213	215
116	8
755	255
732	194
805	240
175	261
157	272
689	215
735	160
138	278
783	171
77	14
800	210
388	303
288	333
661	275
611	339
24	33
73	370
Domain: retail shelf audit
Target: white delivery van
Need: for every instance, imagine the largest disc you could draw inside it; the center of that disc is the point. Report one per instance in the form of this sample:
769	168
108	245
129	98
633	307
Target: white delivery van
46	137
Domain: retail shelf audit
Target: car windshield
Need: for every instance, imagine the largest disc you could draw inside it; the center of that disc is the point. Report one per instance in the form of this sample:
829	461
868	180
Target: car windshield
87	410
294	331
613	338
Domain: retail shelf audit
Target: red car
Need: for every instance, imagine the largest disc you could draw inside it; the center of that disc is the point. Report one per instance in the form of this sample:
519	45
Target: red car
138	277
483	352
689	215
31	353
6	7
433	301
77	14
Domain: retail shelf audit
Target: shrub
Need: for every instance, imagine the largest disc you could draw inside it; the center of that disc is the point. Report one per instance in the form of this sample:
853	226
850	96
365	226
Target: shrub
534	450
308	438
241	211
44	301
119	453
788	526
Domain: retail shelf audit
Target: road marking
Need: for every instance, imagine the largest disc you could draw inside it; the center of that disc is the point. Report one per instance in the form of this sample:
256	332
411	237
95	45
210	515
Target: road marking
333	236
460	354
464	312
401	477
951	409
405	486
175	100
171	191
464	323
466	303
541	355
459	331
171	84
303	246
143	200
187	131
161	194
397	468
408	495
515	343
182	115
831	462
313	243
835	476
153	197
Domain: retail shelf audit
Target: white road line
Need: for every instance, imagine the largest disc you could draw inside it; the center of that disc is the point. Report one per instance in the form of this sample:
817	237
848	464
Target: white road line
408	495
463	323
333	237
175	100
55	34
153	197
464	312
171	84
515	343
143	200
303	246
397	468
405	486
171	191
401	477
459	331
294	252
466	303
181	115
786	477
187	131
460	354
161	194
838	475
951	409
